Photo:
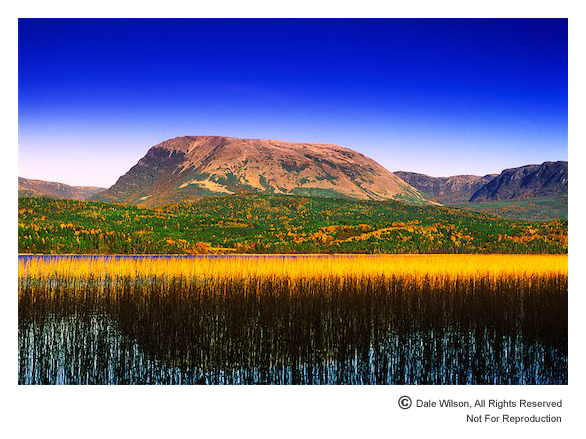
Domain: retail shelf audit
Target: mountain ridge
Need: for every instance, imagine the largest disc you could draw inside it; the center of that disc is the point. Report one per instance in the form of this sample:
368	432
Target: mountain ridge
190	167
519	183
36	188
529	181
448	190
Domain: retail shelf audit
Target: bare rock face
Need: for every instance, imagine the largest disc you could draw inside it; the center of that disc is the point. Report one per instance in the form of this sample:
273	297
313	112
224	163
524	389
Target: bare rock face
447	190
531	181
40	188
187	168
549	178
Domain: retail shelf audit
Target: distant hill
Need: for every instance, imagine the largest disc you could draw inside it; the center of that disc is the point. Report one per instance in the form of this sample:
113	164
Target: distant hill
40	188
446	190
547	179
189	168
276	224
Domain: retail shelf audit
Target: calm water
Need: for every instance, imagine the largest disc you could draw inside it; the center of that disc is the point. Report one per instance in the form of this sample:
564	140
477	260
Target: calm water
362	332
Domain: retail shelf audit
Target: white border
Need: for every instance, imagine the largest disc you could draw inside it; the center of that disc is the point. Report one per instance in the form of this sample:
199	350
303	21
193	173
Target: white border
279	411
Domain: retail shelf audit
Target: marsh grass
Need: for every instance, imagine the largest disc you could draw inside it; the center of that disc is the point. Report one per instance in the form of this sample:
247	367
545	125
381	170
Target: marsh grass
385	320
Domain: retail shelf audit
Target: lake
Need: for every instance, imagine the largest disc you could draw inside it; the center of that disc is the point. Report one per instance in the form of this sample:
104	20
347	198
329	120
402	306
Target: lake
308	320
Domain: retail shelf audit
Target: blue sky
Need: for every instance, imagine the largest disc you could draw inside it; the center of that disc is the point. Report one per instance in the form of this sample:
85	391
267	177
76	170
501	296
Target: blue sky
436	96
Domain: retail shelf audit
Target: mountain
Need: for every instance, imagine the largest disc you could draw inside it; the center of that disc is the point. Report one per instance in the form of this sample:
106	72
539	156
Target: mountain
40	188
547	179
531	181
447	190
190	167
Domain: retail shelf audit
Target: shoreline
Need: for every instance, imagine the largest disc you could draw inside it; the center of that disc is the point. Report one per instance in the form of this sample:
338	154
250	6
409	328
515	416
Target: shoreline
281	254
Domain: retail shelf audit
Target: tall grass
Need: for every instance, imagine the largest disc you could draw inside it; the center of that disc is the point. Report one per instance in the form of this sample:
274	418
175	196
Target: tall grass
67	269
354	319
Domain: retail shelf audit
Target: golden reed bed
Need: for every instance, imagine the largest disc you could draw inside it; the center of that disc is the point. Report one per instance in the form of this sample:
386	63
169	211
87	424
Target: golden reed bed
295	267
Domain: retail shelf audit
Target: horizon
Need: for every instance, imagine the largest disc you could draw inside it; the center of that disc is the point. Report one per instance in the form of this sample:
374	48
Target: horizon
471	96
393	171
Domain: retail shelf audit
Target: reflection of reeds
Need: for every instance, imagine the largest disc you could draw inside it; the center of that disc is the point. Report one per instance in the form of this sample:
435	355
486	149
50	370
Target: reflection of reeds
390	319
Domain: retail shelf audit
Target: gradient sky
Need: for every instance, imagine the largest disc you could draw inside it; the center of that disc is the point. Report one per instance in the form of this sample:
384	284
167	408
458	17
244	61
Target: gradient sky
436	96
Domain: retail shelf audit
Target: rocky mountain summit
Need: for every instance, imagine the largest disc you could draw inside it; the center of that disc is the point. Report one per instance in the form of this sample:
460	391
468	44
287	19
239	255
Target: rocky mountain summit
190	167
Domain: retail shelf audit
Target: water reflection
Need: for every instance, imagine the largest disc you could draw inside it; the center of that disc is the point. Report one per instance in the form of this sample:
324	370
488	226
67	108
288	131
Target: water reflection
359	332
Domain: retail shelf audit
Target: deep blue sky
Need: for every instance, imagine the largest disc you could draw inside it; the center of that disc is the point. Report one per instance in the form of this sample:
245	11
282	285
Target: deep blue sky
436	96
